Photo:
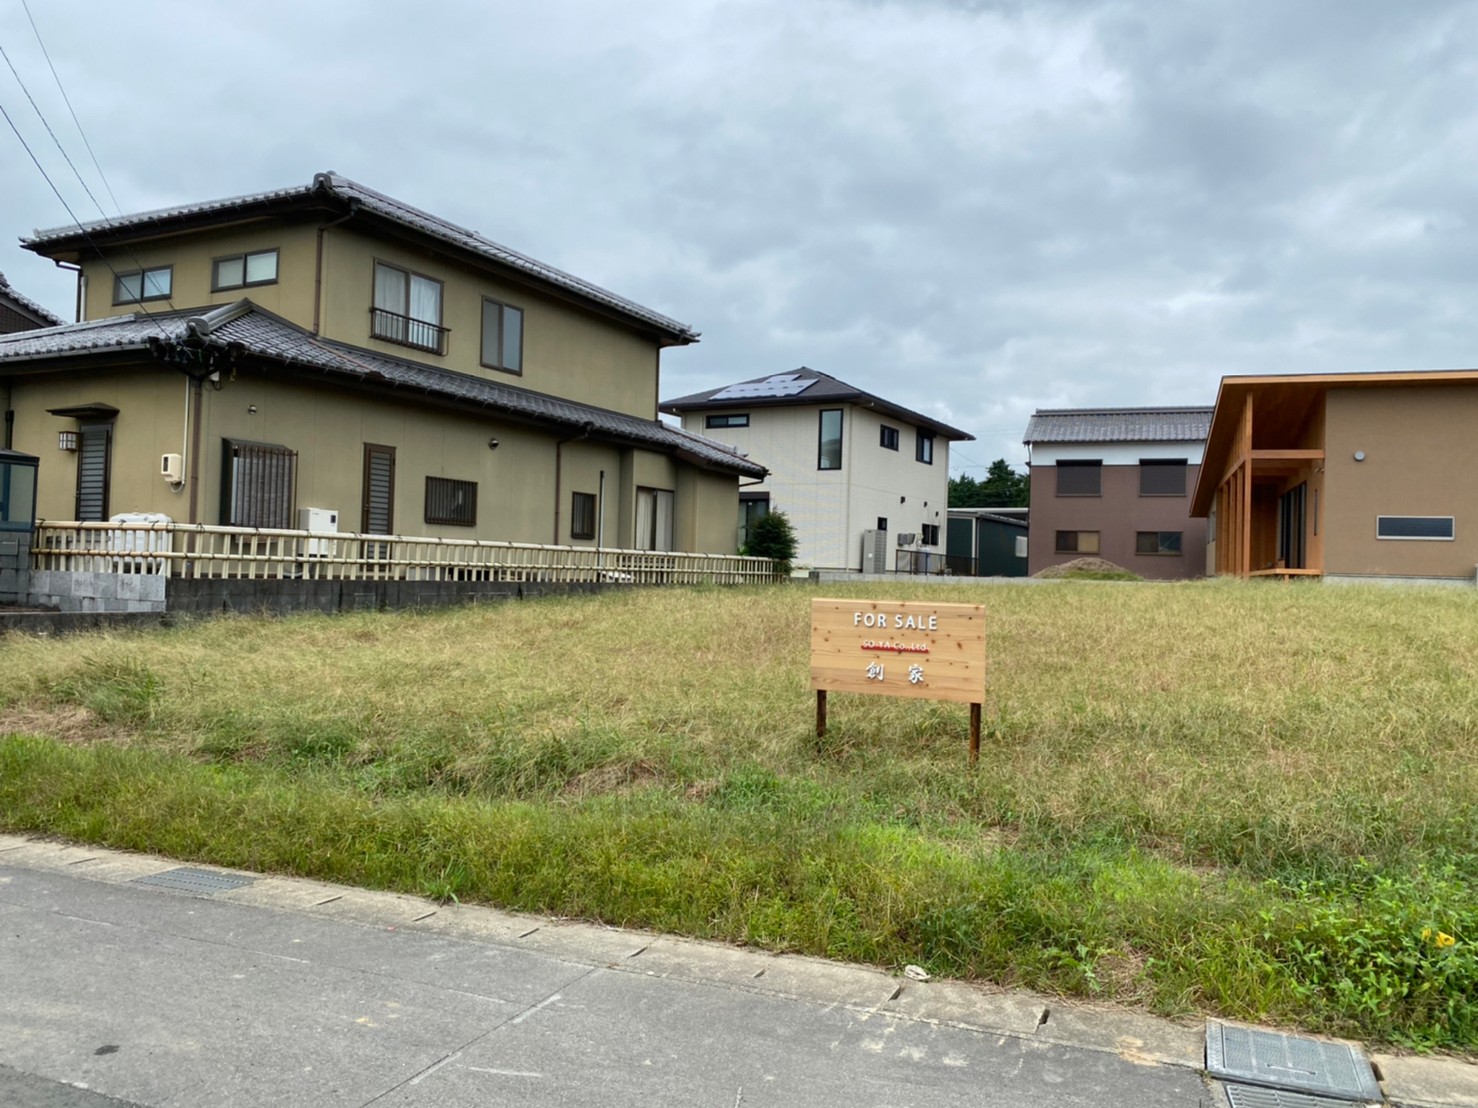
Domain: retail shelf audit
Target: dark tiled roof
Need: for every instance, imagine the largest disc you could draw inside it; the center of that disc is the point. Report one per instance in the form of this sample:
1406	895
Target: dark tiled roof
826	388
27	305
1118	425
344	193
262	335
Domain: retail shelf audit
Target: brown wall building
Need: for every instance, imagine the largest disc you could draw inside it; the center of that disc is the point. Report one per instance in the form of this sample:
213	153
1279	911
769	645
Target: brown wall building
20	313
1116	483
1343	475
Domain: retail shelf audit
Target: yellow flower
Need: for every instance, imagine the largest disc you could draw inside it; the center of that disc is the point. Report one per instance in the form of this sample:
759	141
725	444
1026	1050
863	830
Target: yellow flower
1444	939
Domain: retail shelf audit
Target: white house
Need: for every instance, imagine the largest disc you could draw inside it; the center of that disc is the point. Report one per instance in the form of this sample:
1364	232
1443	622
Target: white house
864	481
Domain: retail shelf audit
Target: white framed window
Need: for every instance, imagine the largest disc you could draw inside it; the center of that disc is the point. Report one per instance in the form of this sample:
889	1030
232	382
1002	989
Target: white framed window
239	271
156	283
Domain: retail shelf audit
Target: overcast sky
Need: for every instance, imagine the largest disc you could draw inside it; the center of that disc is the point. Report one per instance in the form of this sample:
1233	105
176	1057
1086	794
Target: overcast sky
972	209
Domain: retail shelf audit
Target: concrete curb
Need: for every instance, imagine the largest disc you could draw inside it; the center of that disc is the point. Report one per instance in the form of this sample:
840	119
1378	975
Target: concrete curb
1409	1081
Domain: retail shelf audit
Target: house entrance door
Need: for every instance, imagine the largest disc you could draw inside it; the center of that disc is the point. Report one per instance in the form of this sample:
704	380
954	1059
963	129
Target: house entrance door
94	465
1292	523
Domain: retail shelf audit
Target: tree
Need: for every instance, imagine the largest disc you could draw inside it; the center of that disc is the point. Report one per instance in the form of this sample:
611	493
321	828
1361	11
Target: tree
1003	487
772	536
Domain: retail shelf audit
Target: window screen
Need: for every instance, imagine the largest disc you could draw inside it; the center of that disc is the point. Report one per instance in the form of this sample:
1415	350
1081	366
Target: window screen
1162	476
1079	478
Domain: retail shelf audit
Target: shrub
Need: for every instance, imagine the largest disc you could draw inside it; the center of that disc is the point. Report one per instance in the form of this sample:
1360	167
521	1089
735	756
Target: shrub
772	536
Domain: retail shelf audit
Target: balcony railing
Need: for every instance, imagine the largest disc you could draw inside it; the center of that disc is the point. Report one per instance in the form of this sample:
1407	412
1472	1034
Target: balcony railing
924	562
201	551
407	331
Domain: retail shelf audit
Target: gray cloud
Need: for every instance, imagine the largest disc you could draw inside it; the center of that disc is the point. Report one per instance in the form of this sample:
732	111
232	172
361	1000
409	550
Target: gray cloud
974	209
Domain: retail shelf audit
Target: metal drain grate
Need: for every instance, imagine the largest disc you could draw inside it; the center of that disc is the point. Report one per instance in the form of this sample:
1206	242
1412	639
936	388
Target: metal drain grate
1294	1062
1250	1096
190	880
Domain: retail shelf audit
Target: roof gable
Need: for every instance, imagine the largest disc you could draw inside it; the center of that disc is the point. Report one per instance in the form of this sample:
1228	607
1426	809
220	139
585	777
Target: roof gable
335	193
25	306
803	386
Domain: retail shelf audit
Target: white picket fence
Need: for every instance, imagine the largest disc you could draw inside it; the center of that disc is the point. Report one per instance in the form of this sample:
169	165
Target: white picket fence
200	551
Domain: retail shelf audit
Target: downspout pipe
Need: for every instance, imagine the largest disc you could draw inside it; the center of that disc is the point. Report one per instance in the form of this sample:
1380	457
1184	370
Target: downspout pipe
77	269
318	261
585	429
197	397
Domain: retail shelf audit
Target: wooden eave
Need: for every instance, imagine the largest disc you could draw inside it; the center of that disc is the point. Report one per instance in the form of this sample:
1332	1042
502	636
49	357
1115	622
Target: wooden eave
1283	401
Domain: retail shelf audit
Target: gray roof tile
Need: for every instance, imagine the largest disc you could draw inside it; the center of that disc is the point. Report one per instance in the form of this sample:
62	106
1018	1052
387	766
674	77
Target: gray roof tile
1118	425
263	335
9	292
343	191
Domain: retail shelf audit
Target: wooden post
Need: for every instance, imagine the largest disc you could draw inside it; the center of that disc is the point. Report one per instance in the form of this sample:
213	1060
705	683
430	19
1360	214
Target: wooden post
974	733
820	717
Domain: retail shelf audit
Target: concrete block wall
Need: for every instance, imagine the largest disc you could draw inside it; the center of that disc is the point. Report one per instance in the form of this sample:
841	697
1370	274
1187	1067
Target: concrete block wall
97	592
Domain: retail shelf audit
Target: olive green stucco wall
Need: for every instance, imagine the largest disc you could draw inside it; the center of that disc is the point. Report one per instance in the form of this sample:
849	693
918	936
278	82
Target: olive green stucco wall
328	428
567	351
151	421
326	281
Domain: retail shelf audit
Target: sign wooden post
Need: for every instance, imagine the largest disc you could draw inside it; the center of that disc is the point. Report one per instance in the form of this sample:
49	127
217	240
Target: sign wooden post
899	648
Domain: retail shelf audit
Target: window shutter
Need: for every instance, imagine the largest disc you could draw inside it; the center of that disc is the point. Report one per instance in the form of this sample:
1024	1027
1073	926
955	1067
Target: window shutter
92	474
379	490
259	485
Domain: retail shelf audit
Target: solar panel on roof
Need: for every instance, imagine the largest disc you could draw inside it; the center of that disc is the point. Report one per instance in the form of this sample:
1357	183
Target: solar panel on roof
782	384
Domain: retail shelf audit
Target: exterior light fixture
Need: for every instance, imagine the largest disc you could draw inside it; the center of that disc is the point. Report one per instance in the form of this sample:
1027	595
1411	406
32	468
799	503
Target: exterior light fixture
66	440
1359	455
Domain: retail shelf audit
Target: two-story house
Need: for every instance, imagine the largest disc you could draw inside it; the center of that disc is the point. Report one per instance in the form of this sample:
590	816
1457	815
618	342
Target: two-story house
1116	483
854	473
327	347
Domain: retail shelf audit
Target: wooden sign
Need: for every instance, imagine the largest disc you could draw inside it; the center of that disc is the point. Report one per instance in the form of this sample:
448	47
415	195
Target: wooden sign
899	648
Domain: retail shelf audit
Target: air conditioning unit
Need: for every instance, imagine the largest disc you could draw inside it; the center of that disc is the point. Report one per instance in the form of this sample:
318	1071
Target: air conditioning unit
874	551
139	544
319	521
907	538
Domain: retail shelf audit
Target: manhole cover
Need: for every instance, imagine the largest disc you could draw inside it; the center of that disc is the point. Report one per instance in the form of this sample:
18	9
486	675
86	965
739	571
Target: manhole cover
190	880
1249	1096
1289	1062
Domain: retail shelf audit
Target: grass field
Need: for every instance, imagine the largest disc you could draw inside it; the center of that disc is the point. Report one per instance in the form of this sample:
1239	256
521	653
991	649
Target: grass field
1251	800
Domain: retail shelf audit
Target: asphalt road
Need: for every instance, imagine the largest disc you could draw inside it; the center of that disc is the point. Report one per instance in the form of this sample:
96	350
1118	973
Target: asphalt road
297	993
